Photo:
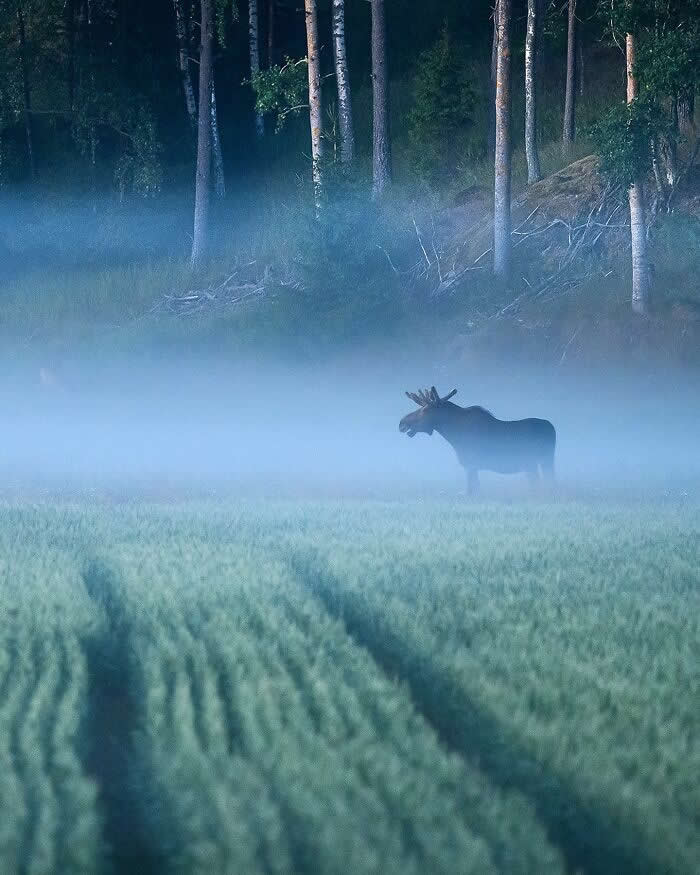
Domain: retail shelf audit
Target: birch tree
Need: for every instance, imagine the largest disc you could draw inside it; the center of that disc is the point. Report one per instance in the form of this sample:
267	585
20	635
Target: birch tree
315	102
639	136
570	96
70	34
254	50
381	142
182	32
531	70
640	261
502	161
204	136
217	154
271	15
183	57
347	138
491	133
26	88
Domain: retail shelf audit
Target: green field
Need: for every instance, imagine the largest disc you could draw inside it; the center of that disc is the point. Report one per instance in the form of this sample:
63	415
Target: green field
356	687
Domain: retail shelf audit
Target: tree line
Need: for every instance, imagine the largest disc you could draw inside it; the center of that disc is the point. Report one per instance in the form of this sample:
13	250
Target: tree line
646	140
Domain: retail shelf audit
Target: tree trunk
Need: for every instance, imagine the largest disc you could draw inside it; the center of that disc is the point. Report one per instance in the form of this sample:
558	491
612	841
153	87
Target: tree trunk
253	44
70	28
686	114
219	179
661	193
315	106
640	263
381	142
502	162
26	91
204	137
347	138
531	55
491	134
579	65
668	151
271	11
184	63
570	99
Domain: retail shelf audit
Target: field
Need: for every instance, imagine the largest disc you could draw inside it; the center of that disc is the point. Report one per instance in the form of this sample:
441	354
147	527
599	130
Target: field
356	687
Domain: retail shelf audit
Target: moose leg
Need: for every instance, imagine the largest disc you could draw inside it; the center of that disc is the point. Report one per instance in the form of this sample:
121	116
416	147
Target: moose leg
472	481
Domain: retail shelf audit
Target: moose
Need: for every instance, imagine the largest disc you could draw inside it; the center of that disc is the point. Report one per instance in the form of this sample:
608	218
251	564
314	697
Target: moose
483	442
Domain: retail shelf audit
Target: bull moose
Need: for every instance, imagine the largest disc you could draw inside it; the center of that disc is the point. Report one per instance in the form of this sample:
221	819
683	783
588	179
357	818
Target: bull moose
482	442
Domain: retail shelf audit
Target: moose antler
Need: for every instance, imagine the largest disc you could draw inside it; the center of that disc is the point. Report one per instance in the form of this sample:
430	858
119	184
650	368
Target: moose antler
429	397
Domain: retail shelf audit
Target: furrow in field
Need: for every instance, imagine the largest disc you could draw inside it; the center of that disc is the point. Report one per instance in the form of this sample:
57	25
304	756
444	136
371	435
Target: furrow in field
112	721
208	812
461	726
348	776
546	654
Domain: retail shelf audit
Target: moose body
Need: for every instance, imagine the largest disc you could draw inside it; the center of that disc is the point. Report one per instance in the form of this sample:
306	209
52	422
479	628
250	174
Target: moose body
483	442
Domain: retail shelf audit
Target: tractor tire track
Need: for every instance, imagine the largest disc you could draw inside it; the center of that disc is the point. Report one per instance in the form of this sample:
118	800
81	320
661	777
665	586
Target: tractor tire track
584	833
112	725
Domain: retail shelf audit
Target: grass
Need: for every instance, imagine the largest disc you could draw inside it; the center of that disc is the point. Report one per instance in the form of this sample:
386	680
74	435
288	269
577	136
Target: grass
51	820
325	687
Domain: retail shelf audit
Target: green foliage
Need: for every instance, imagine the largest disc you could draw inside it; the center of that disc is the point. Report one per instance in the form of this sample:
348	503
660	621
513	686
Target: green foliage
443	105
222	8
667	67
106	114
669	64
281	91
139	169
346	287
623	139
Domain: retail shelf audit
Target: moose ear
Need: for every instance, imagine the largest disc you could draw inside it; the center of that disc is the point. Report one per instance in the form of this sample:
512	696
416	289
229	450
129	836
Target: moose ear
450	395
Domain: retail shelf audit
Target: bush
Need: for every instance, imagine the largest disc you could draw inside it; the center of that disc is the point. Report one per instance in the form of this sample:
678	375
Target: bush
442	113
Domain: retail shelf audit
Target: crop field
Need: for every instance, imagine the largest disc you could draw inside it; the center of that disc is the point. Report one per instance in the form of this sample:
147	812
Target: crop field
350	687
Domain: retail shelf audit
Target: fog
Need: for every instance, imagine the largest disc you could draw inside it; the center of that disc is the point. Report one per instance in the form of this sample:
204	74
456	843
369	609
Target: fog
271	428
171	424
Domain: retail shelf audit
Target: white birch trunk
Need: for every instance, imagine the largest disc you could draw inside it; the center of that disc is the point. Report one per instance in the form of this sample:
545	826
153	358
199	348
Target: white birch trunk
315	106
184	64
502	163
347	138
253	43
570	98
531	39
491	137
200	236
219	178
381	141
640	262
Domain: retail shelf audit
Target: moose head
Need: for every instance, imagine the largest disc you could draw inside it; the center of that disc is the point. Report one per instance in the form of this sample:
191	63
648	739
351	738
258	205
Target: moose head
424	419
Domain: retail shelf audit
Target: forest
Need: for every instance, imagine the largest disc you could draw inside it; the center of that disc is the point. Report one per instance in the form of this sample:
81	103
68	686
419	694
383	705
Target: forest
447	164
